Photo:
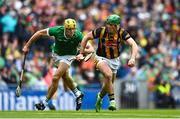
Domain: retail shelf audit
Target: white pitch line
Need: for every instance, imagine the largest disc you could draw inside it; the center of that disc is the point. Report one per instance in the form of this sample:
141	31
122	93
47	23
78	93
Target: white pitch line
88	118
106	114
117	114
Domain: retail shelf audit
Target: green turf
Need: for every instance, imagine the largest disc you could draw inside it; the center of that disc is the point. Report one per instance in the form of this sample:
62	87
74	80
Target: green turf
92	114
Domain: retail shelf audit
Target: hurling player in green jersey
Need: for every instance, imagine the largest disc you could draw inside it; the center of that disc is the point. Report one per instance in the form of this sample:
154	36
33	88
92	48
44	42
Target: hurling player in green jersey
109	38
67	40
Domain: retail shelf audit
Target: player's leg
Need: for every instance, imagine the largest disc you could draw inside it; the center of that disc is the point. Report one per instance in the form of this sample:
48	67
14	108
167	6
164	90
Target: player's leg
69	82
114	64
107	86
65	85
101	94
51	102
97	61
112	105
62	67
114	77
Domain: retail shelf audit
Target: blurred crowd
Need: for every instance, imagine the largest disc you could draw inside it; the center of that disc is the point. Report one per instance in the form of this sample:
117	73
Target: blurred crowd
154	24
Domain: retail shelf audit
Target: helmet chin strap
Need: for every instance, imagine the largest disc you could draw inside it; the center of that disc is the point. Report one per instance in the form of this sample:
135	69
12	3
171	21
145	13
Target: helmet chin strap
65	34
117	28
114	32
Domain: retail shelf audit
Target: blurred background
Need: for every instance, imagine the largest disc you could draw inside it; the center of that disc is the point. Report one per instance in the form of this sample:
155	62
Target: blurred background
154	24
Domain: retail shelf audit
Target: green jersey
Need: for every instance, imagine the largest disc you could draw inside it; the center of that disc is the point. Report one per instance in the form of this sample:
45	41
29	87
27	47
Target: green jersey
63	45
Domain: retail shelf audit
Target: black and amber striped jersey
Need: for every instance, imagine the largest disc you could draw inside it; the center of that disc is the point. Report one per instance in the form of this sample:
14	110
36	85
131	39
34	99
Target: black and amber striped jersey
109	46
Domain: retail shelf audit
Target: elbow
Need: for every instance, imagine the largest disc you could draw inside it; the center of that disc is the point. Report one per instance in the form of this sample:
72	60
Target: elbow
137	48
84	41
89	36
134	48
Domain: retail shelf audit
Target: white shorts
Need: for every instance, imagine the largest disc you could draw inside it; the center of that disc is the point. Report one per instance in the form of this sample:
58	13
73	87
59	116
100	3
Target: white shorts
113	63
66	59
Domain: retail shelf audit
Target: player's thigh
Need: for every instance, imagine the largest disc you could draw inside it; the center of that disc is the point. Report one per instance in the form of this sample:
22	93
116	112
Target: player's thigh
104	69
66	75
62	68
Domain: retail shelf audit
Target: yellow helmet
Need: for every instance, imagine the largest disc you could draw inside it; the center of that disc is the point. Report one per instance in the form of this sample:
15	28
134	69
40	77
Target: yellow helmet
70	23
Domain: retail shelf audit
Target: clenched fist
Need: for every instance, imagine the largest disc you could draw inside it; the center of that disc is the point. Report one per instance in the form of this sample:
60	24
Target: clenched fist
79	57
131	62
25	49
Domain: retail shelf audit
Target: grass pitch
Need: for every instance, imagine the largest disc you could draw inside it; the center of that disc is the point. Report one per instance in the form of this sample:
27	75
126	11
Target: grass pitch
92	114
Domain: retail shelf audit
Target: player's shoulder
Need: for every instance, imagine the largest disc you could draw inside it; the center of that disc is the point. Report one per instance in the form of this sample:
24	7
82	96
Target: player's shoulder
124	33
60	27
100	27
78	33
121	29
57	27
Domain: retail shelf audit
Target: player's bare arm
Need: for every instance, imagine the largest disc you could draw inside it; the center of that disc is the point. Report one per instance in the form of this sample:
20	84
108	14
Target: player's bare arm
89	48
86	38
84	44
134	51
35	37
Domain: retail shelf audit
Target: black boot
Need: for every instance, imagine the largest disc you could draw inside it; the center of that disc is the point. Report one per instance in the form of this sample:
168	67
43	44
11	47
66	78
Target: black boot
79	101
40	106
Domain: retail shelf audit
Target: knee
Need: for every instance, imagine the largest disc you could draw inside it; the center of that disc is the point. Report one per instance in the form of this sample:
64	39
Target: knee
108	76
57	76
66	76
55	80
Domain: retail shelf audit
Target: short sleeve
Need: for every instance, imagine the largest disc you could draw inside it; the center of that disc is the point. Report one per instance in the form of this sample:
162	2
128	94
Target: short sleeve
96	32
52	31
125	35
